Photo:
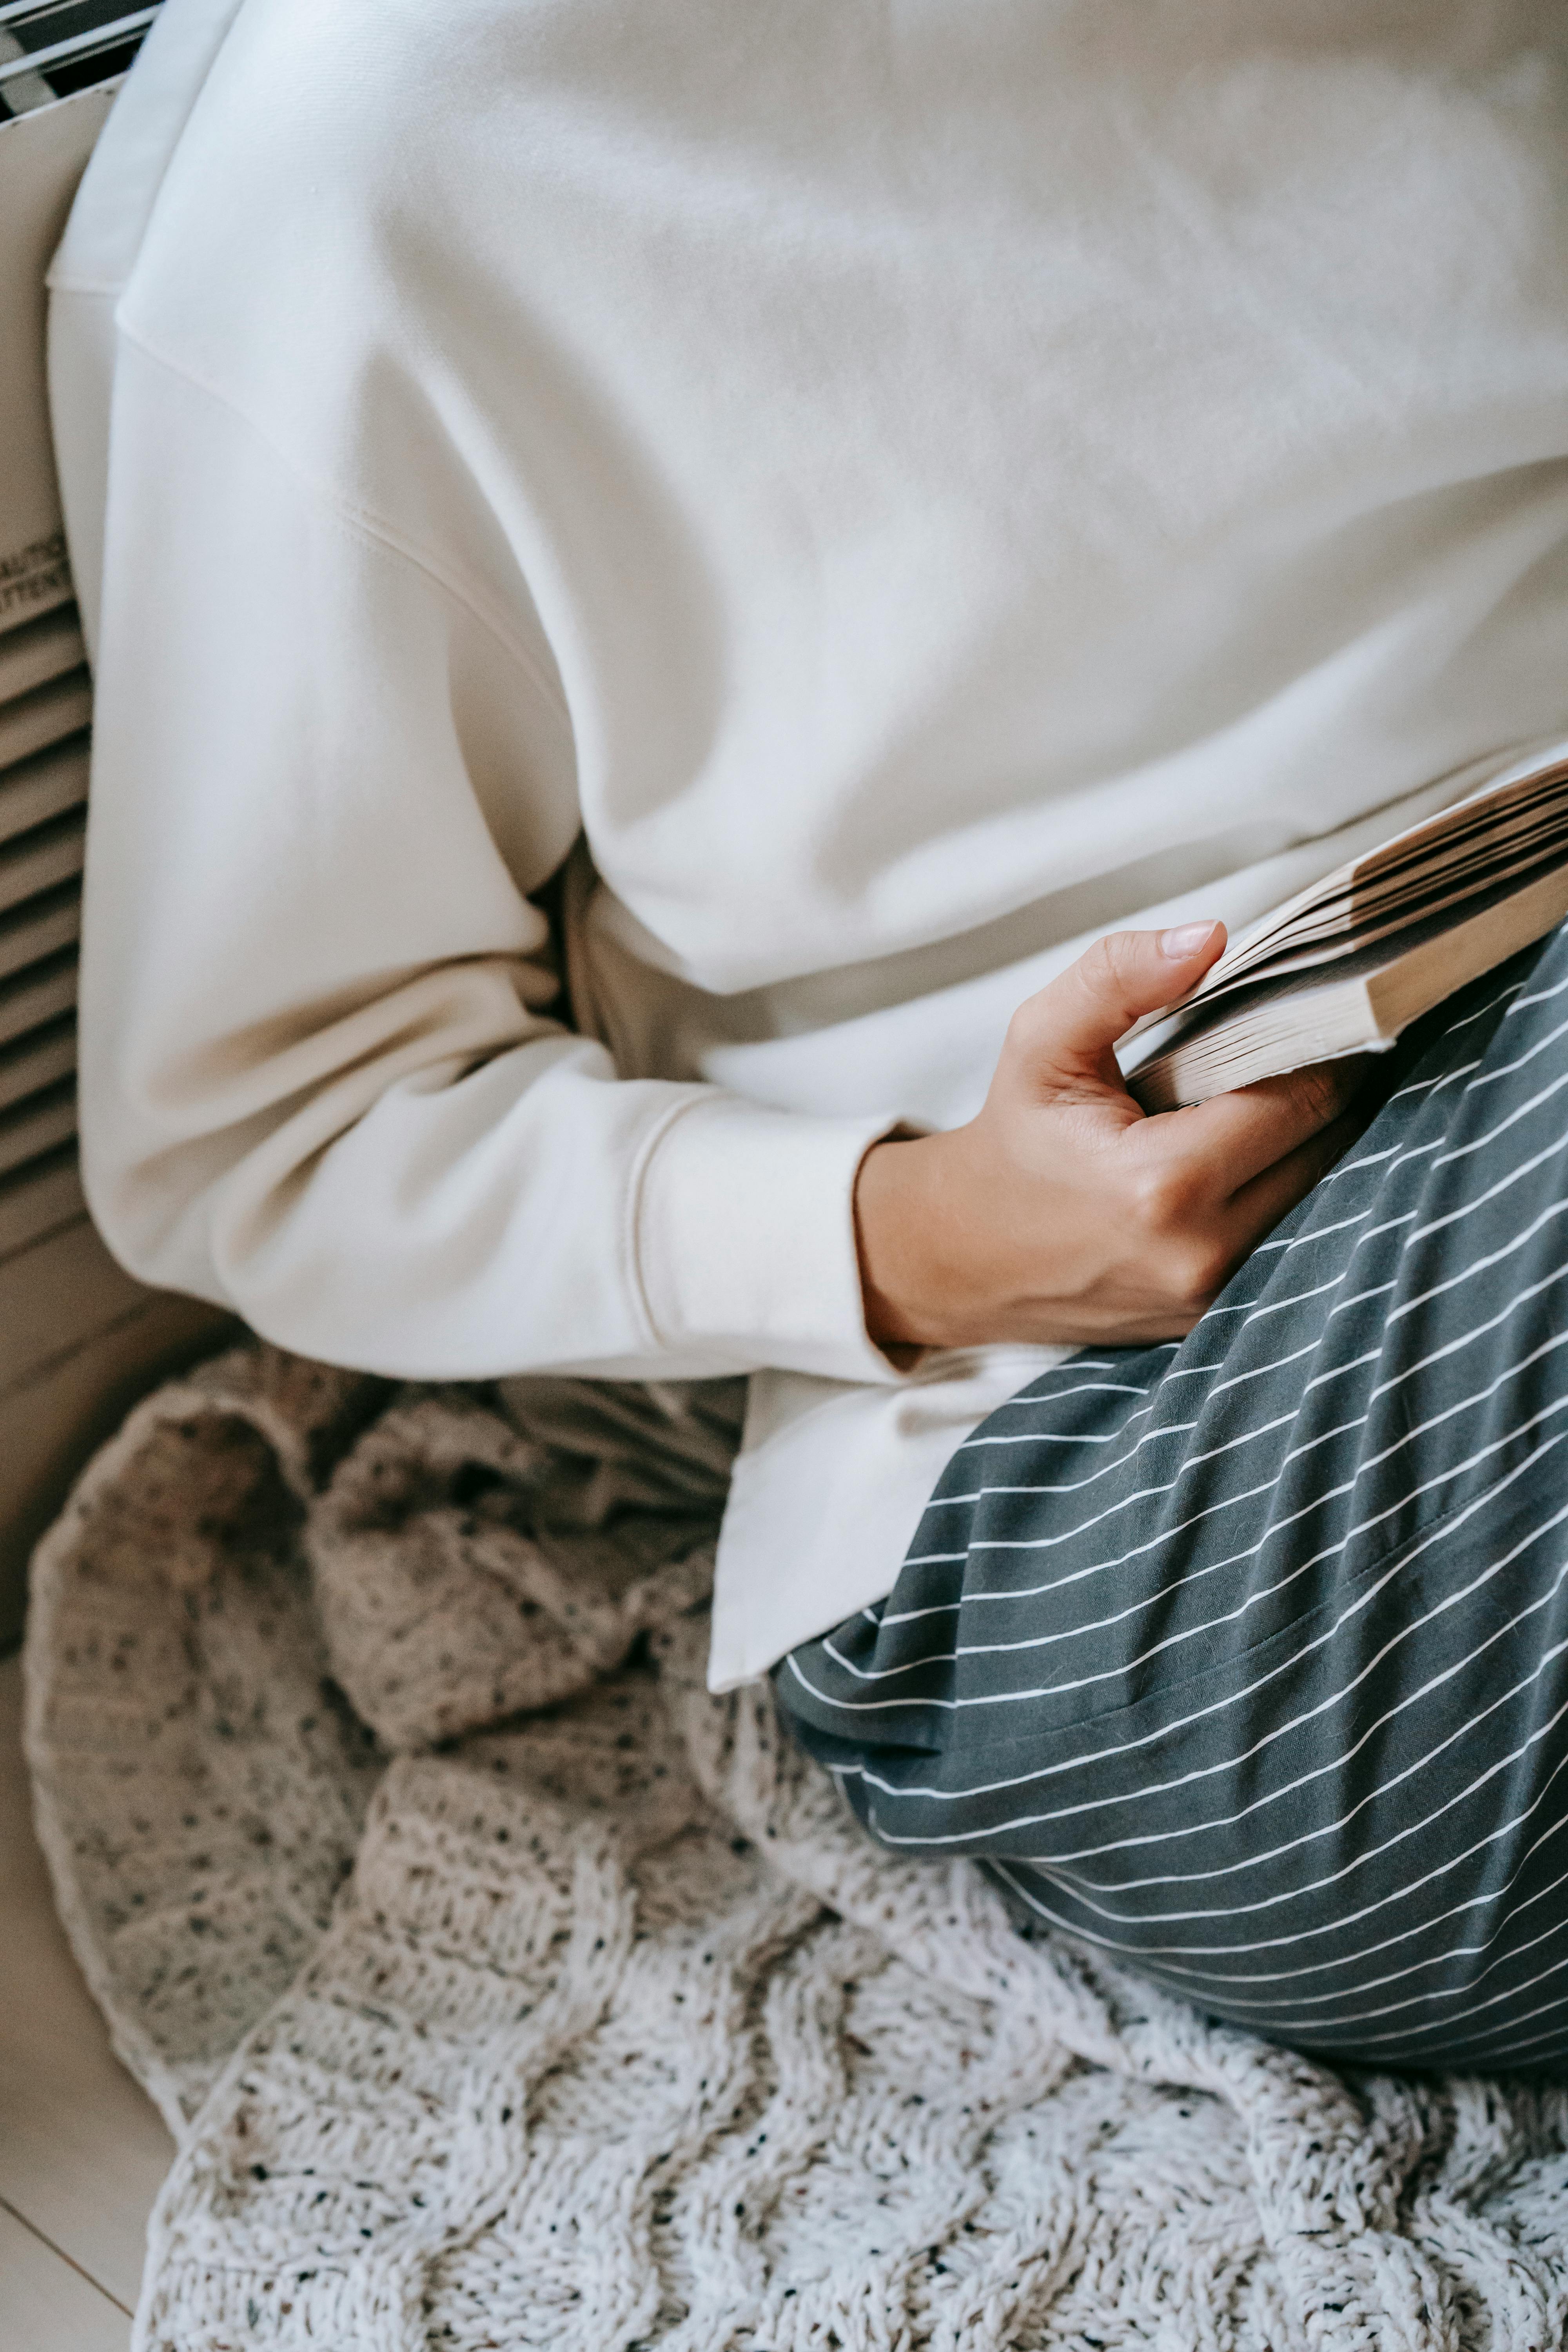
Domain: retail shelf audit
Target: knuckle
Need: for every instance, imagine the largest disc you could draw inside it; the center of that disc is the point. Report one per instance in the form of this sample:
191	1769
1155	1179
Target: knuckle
1323	1092
1099	965
1171	1209
1025	1028
1201	1268
1028	1049
1164	1199
1109	965
1149	1200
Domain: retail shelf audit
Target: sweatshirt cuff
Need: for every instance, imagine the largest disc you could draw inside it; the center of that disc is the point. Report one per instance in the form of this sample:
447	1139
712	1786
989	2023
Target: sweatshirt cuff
744	1240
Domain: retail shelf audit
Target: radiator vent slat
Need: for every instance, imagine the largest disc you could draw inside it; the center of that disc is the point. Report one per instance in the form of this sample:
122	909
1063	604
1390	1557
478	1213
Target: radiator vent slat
38	860
38	1126
39	651
40	993
46	716
39	927
37	1197
37	1062
37	789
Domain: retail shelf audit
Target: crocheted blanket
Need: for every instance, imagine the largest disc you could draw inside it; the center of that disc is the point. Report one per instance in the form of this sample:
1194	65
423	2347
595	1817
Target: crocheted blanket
503	1989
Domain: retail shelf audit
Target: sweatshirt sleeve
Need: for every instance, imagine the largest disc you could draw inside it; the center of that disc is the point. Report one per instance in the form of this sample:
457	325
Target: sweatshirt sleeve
320	1081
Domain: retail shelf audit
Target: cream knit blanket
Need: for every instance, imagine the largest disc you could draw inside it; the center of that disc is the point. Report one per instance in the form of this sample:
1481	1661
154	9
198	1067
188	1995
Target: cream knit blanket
505	1989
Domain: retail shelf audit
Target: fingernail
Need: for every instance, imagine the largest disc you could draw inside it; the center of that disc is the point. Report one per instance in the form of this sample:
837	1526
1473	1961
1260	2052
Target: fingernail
1186	941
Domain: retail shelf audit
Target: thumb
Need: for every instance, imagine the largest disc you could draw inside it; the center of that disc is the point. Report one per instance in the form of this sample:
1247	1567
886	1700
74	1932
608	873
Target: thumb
1072	1025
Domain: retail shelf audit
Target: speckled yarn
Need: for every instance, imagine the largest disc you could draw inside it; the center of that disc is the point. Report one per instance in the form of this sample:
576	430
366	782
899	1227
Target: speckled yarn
505	1989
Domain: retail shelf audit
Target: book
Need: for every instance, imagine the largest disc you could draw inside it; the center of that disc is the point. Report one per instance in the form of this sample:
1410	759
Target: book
1347	964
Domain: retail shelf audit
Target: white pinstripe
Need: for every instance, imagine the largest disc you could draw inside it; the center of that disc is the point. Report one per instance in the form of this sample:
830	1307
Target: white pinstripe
1506	1069
1336	1764
1153	1599
1057	1863
1181	1723
1342	1920
1041	1543
1373	1983
1079	1576
1315	2030
1537	996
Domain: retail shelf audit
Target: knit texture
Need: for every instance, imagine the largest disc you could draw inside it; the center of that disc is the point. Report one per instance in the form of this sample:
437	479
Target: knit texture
504	1988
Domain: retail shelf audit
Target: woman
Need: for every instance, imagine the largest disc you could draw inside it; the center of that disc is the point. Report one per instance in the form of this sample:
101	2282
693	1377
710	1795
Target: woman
665	570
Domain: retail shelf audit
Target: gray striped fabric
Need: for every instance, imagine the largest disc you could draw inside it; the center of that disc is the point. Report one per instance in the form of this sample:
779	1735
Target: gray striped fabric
1247	1659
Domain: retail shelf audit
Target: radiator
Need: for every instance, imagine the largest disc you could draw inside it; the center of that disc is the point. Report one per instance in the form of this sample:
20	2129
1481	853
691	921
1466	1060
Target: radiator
80	1340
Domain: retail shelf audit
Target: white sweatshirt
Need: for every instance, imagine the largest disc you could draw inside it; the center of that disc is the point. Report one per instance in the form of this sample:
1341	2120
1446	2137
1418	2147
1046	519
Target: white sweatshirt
888	490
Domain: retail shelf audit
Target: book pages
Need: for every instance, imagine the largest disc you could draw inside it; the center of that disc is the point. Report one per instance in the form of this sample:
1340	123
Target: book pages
1345	964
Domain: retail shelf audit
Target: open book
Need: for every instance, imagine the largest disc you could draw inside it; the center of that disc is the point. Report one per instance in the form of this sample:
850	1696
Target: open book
1345	965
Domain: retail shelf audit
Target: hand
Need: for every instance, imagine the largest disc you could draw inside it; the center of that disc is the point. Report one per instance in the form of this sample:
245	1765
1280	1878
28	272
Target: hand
1061	1211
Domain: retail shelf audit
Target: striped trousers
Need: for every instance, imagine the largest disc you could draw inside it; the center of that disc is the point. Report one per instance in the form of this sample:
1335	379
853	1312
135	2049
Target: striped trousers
1245	1658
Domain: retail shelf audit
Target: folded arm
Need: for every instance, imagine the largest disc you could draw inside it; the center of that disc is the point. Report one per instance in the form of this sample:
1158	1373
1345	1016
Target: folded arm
321	1079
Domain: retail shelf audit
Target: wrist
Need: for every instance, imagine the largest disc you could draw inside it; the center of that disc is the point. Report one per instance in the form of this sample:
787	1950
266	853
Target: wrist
900	1229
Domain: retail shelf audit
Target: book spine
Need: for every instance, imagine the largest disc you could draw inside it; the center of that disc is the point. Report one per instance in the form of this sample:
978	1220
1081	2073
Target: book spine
1437	968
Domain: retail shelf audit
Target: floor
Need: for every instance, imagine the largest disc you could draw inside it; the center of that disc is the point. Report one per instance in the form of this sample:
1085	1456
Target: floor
82	2151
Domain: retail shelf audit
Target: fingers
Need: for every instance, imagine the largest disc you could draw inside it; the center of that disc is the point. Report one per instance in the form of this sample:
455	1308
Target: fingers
1069	1028
1242	1134
1258	1206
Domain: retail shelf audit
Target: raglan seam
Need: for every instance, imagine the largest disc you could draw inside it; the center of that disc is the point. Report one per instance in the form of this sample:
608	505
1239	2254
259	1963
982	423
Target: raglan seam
370	529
